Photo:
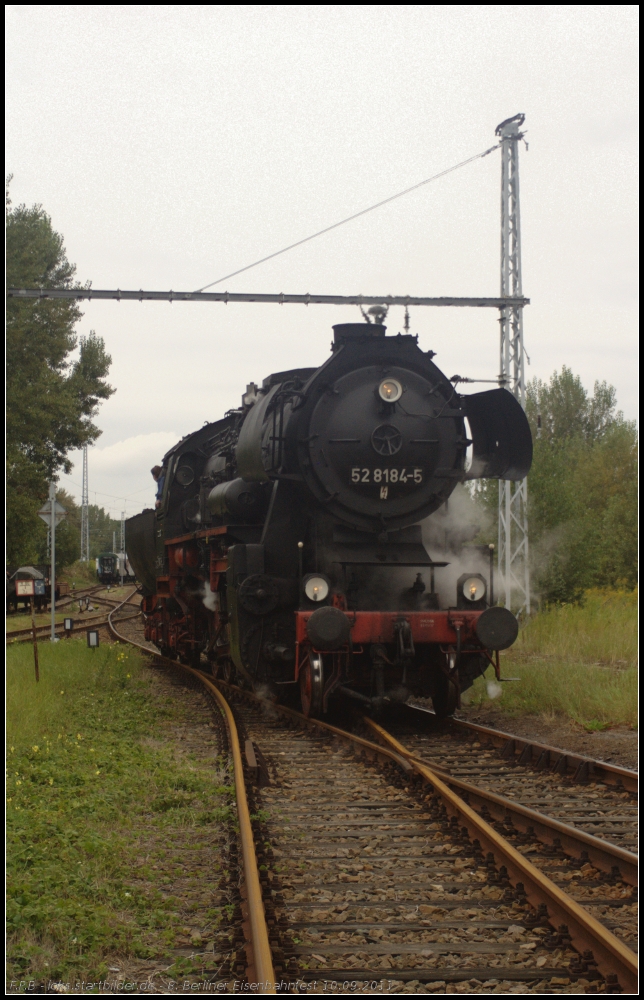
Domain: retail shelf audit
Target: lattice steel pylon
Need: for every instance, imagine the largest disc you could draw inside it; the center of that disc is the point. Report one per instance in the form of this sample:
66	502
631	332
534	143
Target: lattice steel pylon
514	567
84	553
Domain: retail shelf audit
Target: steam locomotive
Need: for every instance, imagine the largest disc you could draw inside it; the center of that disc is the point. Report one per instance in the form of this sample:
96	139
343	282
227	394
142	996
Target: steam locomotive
288	545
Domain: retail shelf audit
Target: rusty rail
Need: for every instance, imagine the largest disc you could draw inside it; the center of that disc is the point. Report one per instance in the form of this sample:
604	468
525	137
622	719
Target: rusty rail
601	853
260	964
612	956
528	751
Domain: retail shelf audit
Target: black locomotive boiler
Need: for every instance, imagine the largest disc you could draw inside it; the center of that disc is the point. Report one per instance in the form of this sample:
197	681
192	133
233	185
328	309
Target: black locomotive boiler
287	548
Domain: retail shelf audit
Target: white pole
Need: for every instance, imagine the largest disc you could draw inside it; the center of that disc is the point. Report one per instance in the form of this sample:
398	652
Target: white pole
52	576
122	545
85	510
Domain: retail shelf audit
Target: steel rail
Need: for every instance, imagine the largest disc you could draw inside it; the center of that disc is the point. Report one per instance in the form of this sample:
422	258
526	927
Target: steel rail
601	853
364	746
545	827
15	633
611	954
543	755
260	961
498	302
25	635
261	964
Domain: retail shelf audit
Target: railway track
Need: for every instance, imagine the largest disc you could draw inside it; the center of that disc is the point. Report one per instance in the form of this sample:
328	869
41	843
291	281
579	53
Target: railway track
367	870
541	756
597	798
81	624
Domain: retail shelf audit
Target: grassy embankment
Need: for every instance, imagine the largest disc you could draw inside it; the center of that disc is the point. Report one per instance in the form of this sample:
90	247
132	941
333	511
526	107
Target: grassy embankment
96	801
574	660
80	574
15	622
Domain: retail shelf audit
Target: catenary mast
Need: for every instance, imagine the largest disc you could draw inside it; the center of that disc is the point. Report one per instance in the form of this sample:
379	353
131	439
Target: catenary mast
513	497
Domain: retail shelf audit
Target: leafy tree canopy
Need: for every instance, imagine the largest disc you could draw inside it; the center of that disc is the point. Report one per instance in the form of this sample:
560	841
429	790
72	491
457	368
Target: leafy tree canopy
51	398
567	411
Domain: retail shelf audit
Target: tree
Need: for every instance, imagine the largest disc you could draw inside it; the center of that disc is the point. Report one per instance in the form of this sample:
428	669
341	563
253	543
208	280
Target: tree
51	399
567	411
582	489
101	531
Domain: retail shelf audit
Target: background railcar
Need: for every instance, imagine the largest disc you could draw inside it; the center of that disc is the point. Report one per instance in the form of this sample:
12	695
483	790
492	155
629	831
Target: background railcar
42	586
112	567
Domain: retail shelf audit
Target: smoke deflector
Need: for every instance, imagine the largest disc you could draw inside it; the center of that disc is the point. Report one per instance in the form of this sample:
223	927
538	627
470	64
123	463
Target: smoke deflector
501	438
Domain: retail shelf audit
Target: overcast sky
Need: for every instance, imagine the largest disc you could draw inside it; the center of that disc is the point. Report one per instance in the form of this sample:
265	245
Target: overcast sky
173	144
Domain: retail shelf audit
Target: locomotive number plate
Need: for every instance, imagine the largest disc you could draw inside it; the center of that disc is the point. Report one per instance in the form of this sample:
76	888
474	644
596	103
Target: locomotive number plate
386	475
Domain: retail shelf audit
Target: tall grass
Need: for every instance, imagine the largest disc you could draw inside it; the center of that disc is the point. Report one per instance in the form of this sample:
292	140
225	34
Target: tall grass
602	629
573	660
594	697
69	673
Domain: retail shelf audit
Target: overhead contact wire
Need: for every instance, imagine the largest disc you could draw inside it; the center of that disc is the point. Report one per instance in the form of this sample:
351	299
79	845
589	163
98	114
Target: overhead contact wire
350	218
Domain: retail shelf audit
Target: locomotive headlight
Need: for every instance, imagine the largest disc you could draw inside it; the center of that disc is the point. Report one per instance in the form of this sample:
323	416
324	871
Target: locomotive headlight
474	589
316	588
390	390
